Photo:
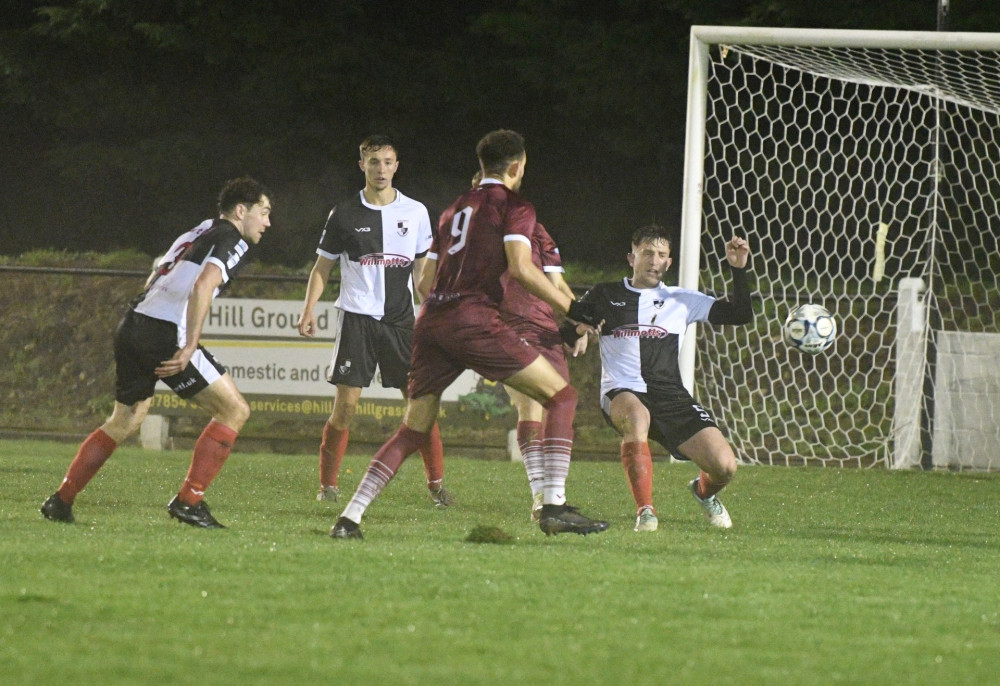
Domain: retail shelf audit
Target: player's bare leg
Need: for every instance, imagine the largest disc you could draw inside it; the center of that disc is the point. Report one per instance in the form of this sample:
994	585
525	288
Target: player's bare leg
540	381
710	450
230	412
95	450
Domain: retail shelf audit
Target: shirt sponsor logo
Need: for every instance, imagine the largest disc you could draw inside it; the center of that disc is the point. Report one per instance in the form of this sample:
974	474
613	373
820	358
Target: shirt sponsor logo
640	331
385	259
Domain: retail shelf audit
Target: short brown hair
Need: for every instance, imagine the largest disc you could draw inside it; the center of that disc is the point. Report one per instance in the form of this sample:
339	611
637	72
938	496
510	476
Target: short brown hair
241	191
651	233
376	141
497	150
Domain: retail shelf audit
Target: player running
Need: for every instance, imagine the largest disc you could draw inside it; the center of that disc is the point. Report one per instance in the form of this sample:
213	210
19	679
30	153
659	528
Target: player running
641	390
380	237
158	339
485	233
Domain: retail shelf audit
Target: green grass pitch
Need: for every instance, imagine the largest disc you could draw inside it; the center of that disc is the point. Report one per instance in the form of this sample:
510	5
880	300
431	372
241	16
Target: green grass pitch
827	577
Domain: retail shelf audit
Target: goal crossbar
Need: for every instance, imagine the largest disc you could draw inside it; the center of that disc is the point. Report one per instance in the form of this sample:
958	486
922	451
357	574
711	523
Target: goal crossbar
845	38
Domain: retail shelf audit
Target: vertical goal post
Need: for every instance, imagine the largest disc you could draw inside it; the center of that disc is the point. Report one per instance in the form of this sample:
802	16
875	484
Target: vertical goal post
860	164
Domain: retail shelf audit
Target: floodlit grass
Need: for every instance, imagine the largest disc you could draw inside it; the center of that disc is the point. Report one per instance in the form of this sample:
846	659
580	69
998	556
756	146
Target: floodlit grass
828	576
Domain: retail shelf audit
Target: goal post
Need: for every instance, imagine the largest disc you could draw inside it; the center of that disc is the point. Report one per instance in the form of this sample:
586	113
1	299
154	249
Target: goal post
861	165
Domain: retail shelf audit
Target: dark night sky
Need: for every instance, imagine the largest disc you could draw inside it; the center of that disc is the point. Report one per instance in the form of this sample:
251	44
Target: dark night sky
118	135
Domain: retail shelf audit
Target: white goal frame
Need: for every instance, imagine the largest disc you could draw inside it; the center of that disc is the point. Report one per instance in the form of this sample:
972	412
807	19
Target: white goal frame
689	253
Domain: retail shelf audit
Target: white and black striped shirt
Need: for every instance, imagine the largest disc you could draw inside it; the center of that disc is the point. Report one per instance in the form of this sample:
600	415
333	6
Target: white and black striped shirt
376	246
214	240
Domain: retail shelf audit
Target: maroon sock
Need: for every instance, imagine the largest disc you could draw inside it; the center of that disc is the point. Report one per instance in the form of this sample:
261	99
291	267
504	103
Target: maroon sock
384	466
561	408
403	443
557	445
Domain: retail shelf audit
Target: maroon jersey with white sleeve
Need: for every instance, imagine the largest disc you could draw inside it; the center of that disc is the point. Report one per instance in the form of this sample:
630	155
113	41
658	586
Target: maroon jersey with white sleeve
519	306
469	242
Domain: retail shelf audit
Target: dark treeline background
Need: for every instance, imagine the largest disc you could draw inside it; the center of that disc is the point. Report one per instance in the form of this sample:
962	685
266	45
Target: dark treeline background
120	119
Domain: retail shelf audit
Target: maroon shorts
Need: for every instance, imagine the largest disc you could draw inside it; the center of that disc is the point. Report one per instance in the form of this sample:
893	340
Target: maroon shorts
452	337
544	339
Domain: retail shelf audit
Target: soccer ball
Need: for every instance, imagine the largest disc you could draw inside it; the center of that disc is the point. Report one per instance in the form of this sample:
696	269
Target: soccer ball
810	328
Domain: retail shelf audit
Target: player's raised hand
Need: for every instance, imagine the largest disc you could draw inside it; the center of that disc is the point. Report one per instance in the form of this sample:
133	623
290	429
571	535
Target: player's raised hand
737	252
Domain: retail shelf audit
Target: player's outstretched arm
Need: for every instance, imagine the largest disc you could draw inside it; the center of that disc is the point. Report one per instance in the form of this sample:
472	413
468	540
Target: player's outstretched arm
738	309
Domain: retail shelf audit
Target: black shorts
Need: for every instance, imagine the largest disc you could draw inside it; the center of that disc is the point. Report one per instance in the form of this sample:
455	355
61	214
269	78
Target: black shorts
363	343
141	344
673	418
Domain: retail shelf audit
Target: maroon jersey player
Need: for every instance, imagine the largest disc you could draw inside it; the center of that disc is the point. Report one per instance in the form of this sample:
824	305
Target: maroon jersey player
533	319
484	234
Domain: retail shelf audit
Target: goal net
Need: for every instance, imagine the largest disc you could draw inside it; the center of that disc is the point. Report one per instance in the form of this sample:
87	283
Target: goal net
863	168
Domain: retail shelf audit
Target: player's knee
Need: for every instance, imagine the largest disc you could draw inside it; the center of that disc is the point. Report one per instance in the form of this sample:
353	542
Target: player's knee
125	421
565	397
342	416
633	426
244	410
237	414
725	470
119	432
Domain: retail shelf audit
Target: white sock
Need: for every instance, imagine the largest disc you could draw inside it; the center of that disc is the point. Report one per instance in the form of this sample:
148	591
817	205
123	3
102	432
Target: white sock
555	492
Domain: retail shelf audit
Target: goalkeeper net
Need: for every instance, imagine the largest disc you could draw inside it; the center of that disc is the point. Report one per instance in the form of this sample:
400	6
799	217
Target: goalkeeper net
862	167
